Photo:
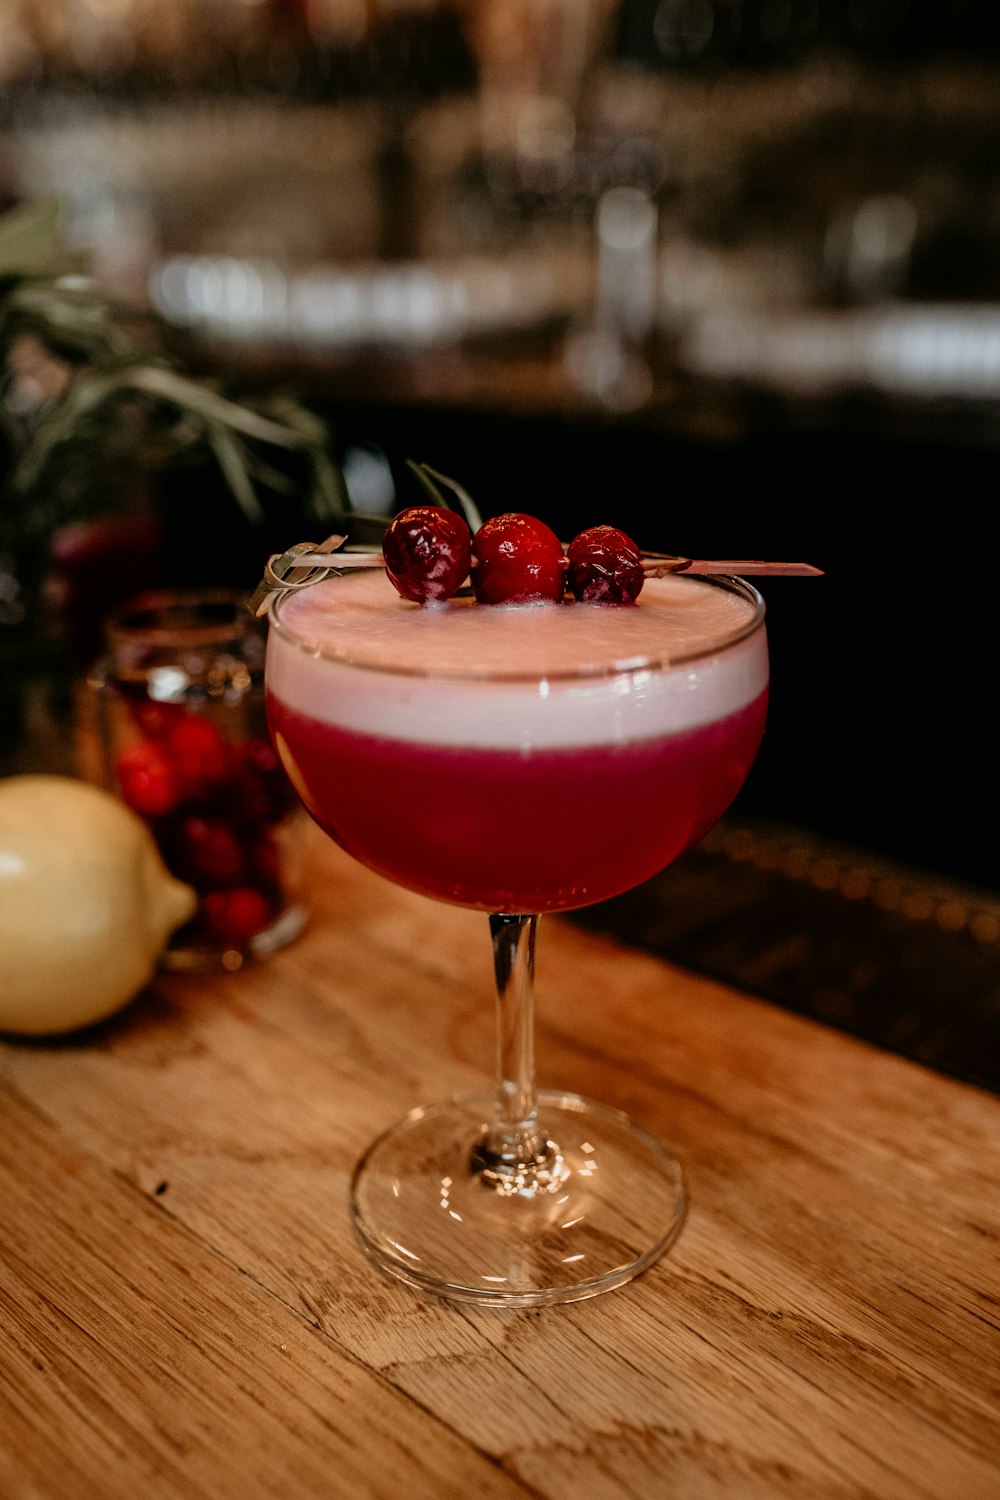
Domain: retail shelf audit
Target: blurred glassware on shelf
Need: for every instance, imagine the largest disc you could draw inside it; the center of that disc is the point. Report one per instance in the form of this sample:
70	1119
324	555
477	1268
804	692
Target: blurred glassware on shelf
335	307
607	360
626	262
909	350
324	179
535	61
868	249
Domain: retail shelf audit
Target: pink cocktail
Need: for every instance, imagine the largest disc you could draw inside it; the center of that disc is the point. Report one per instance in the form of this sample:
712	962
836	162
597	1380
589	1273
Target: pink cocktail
552	786
519	760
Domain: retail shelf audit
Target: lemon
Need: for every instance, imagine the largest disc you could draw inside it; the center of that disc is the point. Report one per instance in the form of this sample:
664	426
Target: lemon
86	904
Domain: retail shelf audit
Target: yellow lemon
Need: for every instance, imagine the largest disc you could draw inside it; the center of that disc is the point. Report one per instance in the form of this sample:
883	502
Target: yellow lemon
86	904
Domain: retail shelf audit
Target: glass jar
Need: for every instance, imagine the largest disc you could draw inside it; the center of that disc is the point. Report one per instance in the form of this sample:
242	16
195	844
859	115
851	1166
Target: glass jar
184	743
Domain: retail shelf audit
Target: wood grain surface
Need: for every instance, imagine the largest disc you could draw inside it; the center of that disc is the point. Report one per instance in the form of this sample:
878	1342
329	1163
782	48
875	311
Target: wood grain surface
184	1311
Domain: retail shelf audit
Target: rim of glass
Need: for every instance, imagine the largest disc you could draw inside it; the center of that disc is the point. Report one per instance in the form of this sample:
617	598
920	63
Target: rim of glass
730	583
189	616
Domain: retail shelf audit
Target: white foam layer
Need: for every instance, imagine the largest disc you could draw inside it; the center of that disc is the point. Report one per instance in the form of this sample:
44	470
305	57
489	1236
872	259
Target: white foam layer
349	652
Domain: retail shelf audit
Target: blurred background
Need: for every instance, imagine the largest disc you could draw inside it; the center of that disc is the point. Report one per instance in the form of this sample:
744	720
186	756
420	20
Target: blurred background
725	273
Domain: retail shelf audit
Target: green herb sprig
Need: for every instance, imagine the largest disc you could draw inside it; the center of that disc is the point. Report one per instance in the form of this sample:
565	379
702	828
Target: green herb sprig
89	403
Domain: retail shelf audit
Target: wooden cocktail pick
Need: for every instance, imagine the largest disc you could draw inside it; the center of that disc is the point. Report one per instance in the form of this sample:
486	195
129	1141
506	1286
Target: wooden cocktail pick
306	563
658	565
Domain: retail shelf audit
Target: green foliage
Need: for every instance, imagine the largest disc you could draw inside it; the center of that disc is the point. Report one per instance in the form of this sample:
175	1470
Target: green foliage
30	245
431	480
90	405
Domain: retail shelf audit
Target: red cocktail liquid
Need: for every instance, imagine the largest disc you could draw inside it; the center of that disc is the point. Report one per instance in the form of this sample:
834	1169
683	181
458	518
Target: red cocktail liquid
545	829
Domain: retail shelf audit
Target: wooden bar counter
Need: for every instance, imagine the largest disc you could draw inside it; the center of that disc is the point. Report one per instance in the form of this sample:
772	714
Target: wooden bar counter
184	1312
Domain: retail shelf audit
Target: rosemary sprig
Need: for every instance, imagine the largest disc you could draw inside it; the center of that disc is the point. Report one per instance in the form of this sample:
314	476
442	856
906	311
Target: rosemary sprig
115	407
430	479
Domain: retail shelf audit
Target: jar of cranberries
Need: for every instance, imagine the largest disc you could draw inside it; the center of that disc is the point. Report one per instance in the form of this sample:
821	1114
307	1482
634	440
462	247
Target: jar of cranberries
184	743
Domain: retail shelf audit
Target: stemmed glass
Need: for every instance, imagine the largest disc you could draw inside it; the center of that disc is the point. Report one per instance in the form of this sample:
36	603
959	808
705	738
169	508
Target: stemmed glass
518	791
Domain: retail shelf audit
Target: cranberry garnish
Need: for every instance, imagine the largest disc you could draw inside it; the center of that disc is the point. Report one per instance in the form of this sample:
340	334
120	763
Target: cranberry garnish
519	560
427	551
605	566
235	916
147	779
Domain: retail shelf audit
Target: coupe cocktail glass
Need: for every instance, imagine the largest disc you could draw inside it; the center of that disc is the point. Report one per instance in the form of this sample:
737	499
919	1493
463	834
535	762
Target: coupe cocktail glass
517	760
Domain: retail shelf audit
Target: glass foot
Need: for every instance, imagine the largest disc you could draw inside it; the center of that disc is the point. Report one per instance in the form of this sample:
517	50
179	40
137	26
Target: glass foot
184	956
605	1201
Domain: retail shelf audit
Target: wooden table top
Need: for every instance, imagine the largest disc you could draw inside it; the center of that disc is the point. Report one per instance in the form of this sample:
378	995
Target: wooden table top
184	1311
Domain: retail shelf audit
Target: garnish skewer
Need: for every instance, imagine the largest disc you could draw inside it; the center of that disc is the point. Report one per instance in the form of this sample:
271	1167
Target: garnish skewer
307	563
654	565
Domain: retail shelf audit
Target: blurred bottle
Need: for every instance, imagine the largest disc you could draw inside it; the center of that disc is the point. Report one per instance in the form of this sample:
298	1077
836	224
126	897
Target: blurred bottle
607	361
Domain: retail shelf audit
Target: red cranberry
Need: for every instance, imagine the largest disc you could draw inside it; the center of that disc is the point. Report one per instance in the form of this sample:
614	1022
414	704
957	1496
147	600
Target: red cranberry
262	792
605	566
262	755
519	560
156	720
147	779
427	551
235	916
257	791
208	852
200	754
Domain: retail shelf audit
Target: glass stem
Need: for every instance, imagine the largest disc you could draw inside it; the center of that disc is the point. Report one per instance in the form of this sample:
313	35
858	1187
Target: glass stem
514	967
514	1145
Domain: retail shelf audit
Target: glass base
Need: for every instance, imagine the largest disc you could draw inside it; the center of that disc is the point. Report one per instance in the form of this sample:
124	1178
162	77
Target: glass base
606	1201
191	956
